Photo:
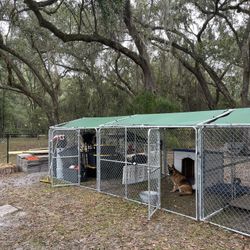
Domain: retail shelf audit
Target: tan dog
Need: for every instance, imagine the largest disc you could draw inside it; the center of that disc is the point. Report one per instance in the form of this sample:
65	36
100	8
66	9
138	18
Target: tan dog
180	181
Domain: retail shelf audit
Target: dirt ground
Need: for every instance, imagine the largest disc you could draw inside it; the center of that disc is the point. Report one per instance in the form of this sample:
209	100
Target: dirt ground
78	218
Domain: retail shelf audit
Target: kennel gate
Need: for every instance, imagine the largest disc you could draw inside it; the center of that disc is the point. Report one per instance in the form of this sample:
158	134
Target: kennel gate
130	165
64	157
154	171
225	177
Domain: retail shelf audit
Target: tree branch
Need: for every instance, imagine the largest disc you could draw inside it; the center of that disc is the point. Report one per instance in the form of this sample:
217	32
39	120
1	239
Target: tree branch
50	12
46	3
198	59
94	14
237	7
41	58
35	71
204	26
23	86
130	90
33	5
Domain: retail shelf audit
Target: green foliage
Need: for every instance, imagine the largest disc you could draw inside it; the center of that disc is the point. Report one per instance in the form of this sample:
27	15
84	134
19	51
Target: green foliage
89	84
109	10
147	102
21	116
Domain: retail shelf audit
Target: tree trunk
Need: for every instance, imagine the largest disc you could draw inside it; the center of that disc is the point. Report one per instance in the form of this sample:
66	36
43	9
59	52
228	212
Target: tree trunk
246	73
141	59
204	85
149	79
52	118
201	79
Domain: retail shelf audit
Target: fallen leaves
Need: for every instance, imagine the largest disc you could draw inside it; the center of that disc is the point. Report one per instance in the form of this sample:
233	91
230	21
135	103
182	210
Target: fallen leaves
77	218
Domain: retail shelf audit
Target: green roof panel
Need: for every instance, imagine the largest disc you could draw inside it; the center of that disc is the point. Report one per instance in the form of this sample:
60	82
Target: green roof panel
89	122
168	119
236	117
181	119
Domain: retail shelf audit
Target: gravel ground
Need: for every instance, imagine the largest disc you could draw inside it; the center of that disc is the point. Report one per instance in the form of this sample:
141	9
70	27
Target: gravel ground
78	218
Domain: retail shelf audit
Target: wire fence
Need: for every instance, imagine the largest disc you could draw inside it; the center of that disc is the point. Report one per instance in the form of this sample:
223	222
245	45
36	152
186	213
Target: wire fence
13	144
64	157
214	164
123	162
226	177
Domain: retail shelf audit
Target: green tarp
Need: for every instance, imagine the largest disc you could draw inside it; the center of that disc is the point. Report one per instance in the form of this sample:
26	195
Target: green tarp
181	119
237	117
90	122
169	119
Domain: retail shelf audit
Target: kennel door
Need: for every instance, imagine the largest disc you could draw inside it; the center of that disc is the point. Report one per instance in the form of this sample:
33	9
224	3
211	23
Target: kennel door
65	157
154	171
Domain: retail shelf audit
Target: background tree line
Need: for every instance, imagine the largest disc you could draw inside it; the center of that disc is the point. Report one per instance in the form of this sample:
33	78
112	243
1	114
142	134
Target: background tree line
62	59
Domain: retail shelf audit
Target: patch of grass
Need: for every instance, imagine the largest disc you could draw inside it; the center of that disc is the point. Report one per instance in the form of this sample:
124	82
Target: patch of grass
20	144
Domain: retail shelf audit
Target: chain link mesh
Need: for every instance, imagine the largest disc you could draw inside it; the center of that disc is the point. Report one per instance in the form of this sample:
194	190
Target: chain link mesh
154	168
130	160
112	160
64	157
124	163
179	143
130	157
226	177
137	163
88	158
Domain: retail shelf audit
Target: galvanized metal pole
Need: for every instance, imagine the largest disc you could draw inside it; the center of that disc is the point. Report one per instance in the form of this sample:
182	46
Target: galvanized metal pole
148	170
198	177
126	163
79	156
164	148
98	163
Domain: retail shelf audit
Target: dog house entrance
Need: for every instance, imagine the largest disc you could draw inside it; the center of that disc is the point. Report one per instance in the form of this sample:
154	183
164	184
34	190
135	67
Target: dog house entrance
188	169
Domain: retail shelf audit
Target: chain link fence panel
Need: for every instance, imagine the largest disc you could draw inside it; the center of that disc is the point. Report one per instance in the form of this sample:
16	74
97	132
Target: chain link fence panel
88	158
137	163
179	150
154	171
124	162
112	161
65	157
225	183
128	157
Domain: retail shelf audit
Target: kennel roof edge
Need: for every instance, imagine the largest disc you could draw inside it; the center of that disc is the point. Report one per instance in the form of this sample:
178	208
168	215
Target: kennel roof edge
162	119
89	122
239	116
169	119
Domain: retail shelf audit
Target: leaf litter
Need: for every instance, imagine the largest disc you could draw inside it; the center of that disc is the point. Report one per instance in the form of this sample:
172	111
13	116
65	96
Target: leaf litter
79	218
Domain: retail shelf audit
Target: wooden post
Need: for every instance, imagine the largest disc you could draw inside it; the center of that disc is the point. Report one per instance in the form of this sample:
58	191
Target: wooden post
8	147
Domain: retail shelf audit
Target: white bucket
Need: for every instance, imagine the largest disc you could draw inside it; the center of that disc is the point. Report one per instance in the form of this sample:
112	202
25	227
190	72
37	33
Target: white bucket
144	195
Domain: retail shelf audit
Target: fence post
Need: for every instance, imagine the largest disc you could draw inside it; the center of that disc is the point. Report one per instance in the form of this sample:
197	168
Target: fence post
8	147
98	163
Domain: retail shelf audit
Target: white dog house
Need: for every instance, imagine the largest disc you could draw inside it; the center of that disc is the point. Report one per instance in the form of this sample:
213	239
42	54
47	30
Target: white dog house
184	162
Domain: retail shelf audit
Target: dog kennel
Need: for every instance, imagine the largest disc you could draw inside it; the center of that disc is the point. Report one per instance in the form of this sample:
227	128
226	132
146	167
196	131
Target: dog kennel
128	157
73	151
